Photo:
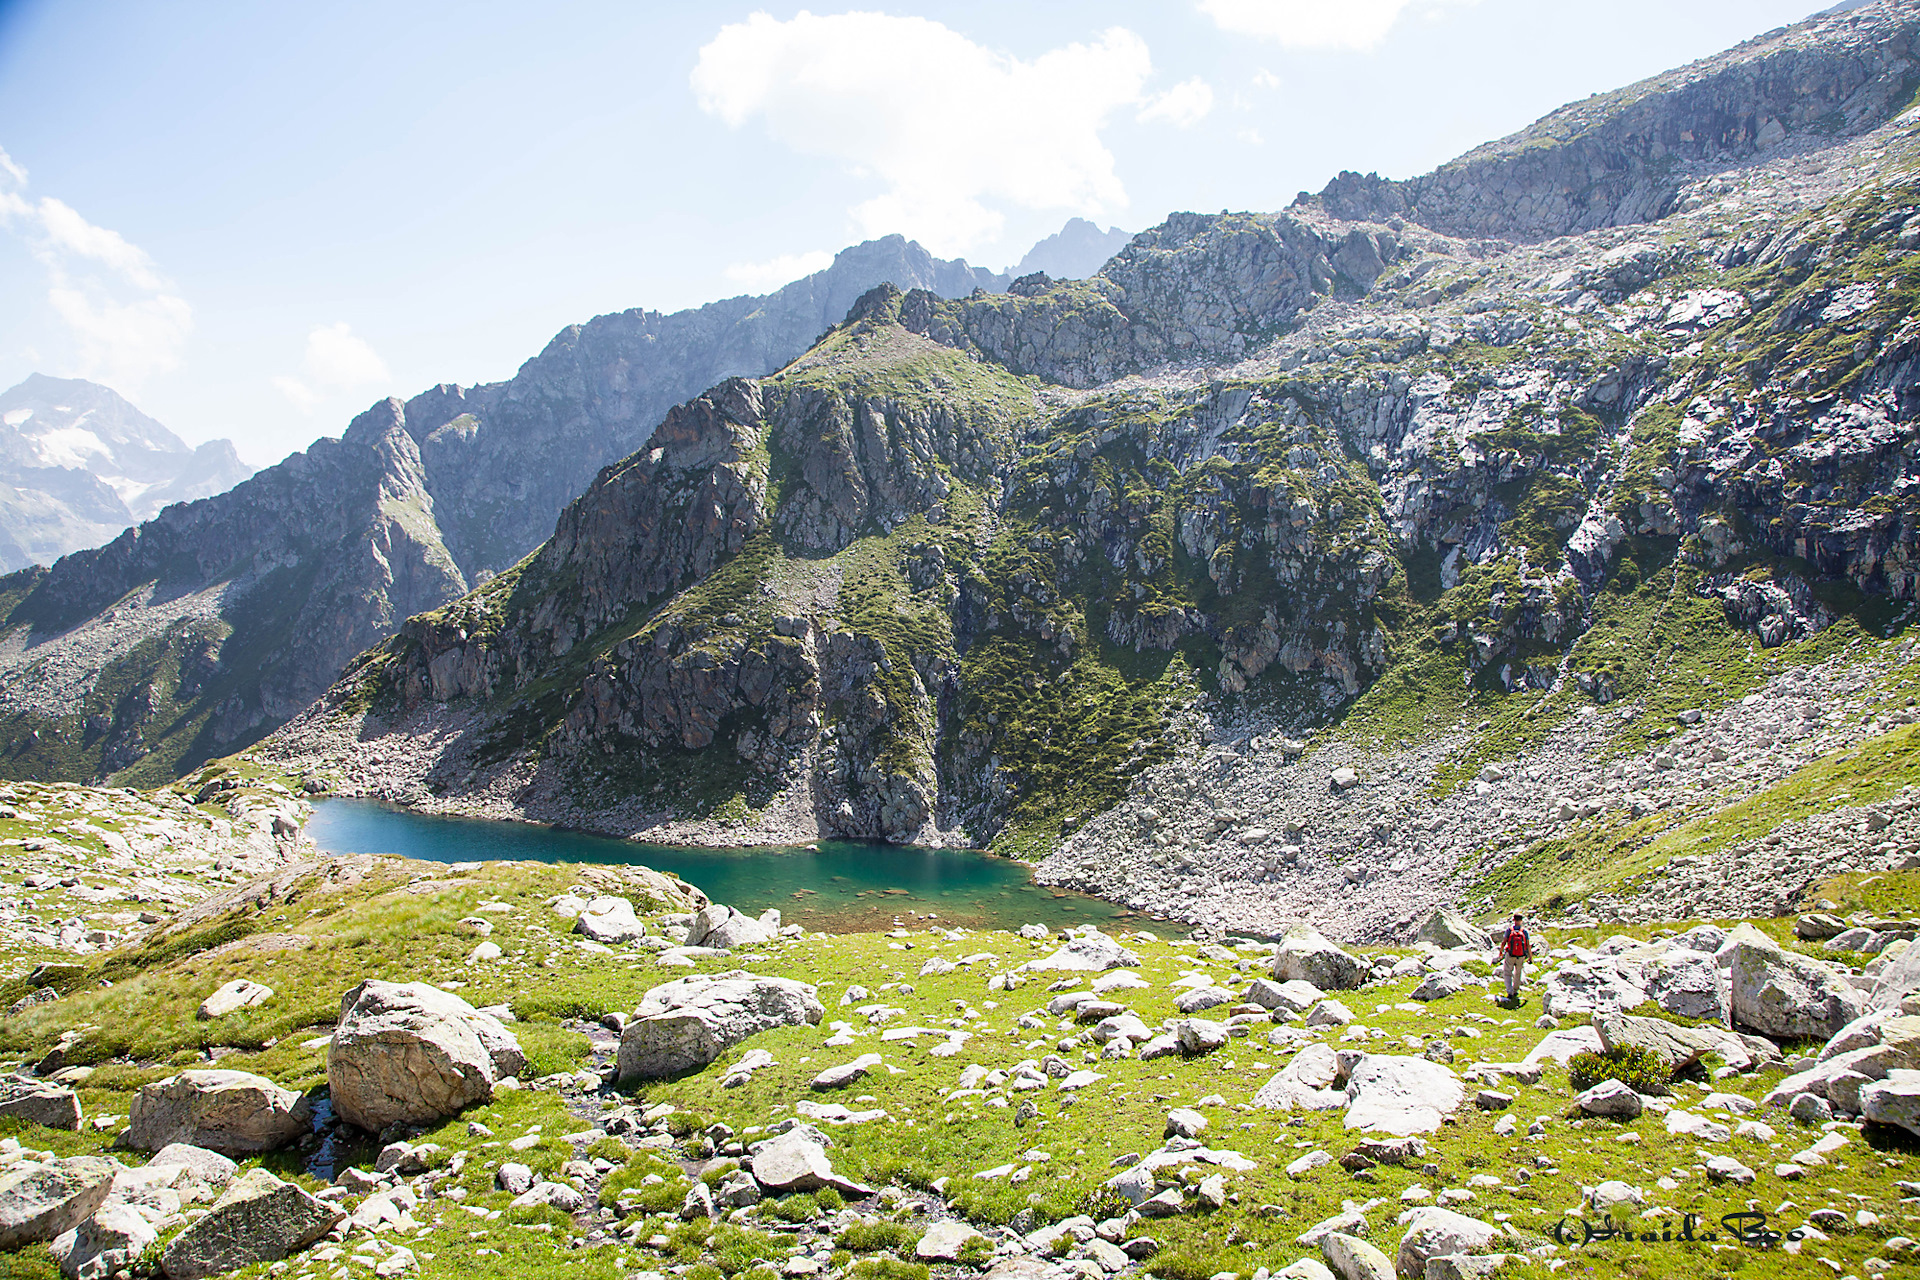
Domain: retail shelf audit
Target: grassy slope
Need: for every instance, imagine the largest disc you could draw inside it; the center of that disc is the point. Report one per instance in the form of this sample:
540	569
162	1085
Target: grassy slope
146	1030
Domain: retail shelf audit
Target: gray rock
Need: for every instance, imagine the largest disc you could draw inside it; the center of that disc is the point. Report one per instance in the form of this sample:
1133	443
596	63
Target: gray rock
1352	1258
514	1178
610	920
1687	982
1451	929
1782	995
720	926
1727	1169
1308	1163
37	1102
554	1195
1433	1232
1440	984
1196	1036
684	1025
111	1240
945	1239
38	1204
1194	999
795	1162
847	1072
1329	1013
1461	1266
235	1113
1185	1122
409	1053
1304	1084
233	997
1306	956
1810	1108
1163	1204
1287	997
1894	1101
1387	1093
206	1173
1612	1100
1091	952
1818	927
1304	1269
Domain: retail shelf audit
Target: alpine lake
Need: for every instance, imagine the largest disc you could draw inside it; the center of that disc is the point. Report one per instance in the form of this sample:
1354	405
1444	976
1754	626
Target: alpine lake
835	886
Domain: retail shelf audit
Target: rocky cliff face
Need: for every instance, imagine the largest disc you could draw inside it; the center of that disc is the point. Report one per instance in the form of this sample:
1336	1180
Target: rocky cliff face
977	569
78	464
214	621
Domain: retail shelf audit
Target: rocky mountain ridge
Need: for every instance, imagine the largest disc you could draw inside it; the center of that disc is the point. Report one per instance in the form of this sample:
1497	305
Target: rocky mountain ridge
79	464
218	619
973	568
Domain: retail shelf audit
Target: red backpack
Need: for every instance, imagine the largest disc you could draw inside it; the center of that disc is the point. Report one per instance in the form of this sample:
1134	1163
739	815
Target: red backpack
1517	943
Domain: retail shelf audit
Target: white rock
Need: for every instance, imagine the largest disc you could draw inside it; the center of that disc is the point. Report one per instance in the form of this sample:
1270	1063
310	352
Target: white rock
233	997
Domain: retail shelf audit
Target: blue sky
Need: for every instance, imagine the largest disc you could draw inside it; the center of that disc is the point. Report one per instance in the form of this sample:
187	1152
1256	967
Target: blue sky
254	220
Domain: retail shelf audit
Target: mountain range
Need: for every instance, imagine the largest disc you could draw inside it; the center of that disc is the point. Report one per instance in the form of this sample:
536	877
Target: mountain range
217	619
78	464
1607	412
891	554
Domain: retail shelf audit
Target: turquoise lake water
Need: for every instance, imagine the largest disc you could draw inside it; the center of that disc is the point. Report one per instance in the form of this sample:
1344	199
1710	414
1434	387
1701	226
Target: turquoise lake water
840	887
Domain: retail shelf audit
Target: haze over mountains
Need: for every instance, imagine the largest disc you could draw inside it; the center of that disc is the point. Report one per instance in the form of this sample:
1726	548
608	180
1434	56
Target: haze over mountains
78	464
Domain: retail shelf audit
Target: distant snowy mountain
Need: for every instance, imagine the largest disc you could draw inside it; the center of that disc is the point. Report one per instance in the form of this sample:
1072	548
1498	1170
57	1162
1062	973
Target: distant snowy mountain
78	464
1074	252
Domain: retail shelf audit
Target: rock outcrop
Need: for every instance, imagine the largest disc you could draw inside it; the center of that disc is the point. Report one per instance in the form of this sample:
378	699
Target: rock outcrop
235	1113
683	1025
407	1053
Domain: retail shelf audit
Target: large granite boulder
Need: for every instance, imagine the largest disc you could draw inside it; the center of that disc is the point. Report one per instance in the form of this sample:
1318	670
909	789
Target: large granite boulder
1306	956
38	1102
684	1025
409	1053
1387	1093
235	1113
1783	995
45	1201
720	926
796	1161
609	920
1434	1232
1451	929
1687	982
1305	1084
1895	1101
258	1218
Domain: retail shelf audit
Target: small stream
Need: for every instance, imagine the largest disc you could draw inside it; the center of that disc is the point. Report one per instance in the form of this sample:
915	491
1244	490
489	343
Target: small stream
837	887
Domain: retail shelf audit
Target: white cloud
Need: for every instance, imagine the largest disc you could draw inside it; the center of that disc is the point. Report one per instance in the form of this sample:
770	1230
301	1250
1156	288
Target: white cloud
1182	106
124	342
1252	137
1265	79
337	361
70	233
1356	25
124	321
764	277
947	128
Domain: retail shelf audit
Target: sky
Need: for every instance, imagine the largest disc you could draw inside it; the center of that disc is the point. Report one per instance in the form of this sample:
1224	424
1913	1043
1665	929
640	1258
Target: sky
255	220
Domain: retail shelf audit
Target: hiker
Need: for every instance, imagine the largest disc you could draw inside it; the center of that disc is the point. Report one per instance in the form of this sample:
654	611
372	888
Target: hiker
1515	948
